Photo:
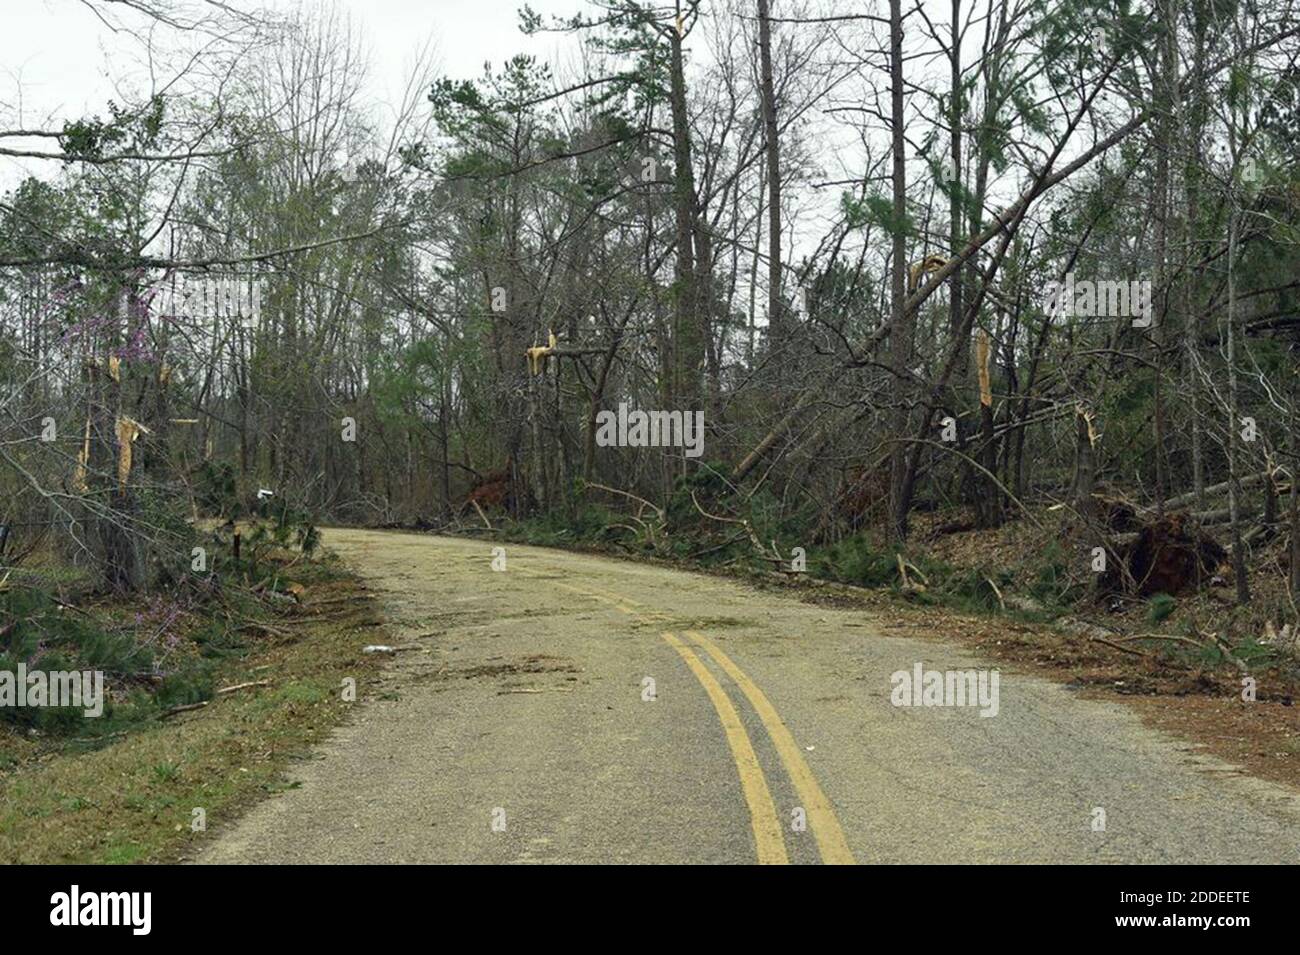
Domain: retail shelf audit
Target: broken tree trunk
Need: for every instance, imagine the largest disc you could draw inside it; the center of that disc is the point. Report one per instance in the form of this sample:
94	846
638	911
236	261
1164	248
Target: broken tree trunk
1183	500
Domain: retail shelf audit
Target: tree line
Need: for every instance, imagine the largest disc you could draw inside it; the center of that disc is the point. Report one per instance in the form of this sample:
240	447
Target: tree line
838	230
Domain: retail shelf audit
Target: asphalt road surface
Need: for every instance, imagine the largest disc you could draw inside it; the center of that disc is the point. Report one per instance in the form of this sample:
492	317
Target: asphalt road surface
571	708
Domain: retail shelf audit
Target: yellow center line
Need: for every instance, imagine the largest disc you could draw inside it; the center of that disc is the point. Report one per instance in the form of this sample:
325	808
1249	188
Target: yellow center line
826	828
762	811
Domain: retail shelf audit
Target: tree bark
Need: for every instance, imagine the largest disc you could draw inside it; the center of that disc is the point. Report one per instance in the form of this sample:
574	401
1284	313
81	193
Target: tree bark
688	340
899	337
776	323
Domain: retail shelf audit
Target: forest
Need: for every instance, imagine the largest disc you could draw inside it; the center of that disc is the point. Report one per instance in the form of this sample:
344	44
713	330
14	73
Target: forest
990	304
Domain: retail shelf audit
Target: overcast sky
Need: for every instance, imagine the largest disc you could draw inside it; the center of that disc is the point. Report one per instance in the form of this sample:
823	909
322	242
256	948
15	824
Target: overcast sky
57	58
58	61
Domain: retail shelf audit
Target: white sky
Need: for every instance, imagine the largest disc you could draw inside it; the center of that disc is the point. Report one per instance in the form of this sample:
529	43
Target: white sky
57	59
58	62
465	34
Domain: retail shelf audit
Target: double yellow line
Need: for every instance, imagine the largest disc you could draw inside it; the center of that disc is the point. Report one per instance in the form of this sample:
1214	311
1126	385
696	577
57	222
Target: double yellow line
762	810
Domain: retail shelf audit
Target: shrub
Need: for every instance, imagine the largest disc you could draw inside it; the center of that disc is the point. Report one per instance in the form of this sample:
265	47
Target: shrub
1160	607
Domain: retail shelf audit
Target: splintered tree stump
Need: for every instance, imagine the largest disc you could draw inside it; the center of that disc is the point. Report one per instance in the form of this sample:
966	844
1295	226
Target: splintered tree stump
1169	556
493	490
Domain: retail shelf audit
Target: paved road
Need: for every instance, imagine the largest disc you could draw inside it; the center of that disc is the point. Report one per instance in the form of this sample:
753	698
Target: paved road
577	709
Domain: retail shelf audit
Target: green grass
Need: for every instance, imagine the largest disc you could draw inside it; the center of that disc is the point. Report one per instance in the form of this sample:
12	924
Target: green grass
128	796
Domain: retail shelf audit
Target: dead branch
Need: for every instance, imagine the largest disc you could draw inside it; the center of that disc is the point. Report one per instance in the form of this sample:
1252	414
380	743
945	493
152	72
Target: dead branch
753	538
613	490
181	709
242	686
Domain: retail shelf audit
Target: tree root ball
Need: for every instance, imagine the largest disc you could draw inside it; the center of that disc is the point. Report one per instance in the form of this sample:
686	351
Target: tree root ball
1169	556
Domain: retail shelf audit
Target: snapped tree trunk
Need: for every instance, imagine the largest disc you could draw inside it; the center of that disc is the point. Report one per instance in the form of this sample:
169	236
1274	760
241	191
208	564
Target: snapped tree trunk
776	319
687	338
899	336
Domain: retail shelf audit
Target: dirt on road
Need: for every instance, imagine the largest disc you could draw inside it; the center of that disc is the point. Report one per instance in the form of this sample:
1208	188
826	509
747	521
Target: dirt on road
549	707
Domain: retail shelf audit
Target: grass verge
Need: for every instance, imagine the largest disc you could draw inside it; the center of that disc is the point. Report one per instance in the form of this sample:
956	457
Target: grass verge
133	798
